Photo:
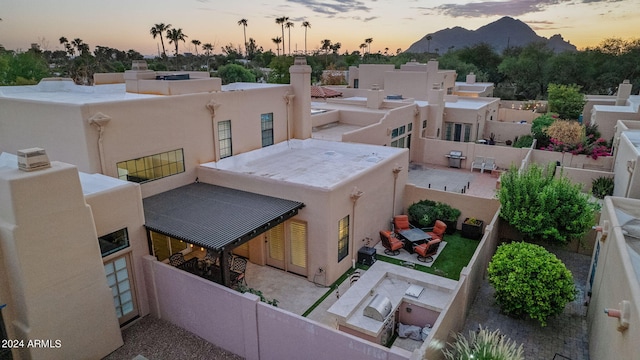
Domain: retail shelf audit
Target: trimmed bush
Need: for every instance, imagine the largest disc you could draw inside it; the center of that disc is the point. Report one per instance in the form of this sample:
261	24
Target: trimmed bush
530	281
484	344
542	206
424	213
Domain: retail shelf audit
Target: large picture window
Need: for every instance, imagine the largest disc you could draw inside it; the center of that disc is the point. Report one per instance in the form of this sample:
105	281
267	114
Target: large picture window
343	238
266	125
224	138
152	167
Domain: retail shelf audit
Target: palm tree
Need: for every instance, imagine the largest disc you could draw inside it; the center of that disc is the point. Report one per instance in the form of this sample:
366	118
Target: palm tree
306	25
369	41
207	48
277	41
362	47
281	21
326	46
289	25
157	30
429	37
196	43
175	35
64	41
243	22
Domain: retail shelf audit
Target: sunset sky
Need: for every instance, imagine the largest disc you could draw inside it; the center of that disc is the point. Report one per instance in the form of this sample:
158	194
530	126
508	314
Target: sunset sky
391	24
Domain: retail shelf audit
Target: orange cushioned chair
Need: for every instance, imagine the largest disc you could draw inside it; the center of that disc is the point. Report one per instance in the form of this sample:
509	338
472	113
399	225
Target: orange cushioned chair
438	230
391	244
400	223
426	251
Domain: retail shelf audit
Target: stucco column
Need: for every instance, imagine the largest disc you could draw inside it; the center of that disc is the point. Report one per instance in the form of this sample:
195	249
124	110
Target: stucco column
301	83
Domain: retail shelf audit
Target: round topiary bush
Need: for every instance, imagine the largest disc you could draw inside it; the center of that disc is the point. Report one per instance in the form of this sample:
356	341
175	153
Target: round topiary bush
530	281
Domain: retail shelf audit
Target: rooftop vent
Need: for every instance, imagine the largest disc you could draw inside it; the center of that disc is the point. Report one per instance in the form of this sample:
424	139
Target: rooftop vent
33	159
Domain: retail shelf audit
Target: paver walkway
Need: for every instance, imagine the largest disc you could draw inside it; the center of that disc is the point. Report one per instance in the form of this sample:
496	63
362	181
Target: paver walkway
565	334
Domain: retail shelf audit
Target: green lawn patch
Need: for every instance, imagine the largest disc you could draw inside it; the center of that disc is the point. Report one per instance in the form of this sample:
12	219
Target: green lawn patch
450	262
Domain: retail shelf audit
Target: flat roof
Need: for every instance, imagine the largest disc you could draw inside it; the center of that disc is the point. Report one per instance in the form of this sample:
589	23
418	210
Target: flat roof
66	92
91	183
215	217
310	162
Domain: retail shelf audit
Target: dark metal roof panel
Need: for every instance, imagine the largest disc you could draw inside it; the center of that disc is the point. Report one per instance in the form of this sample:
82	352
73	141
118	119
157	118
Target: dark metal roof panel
214	216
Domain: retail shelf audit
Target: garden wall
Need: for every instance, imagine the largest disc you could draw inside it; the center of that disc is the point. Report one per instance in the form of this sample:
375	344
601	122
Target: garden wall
432	151
241	324
452	318
505	130
516	115
470	206
544	157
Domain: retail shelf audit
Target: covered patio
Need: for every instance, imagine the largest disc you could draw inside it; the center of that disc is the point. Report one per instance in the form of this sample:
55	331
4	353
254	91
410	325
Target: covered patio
214	218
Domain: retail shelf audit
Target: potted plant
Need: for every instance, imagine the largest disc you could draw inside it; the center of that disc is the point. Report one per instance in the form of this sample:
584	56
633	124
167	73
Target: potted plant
472	228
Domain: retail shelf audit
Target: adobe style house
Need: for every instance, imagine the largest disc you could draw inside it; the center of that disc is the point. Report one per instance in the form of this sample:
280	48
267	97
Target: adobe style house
165	163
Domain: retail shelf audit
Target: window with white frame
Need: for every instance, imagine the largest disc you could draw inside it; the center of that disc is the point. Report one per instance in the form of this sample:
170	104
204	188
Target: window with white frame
224	138
266	125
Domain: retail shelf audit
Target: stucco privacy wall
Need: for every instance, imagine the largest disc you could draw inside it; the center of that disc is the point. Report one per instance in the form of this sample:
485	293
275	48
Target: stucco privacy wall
505	130
470	206
219	315
432	151
515	115
241	324
452	318
26	124
543	157
614	281
44	220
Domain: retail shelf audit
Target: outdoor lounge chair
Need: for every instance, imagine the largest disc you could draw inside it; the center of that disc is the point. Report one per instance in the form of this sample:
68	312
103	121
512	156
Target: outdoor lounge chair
400	223
437	231
426	251
392	245
489	164
477	163
176	259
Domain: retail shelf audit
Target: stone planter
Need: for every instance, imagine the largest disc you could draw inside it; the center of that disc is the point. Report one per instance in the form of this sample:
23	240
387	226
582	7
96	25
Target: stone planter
470	231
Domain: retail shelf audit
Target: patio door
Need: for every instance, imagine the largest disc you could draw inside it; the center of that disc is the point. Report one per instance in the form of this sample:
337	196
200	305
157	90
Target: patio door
286	247
274	239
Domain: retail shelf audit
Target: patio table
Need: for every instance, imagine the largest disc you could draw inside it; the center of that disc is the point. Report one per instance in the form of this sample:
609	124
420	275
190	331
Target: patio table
412	237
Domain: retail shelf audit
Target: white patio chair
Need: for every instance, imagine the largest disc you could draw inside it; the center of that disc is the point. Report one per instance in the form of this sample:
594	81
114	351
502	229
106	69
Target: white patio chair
489	164
477	163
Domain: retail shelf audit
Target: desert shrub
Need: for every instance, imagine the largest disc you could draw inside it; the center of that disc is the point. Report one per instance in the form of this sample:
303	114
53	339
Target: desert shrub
530	281
484	344
602	186
566	131
542	206
523	141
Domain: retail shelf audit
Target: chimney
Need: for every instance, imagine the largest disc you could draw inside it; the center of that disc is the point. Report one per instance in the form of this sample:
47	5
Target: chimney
375	97
624	90
471	78
300	115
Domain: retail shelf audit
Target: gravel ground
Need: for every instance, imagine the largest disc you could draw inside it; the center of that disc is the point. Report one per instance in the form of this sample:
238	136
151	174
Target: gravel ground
156	339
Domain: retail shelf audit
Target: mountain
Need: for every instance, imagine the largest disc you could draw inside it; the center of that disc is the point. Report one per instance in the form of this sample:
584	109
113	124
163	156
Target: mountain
500	34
